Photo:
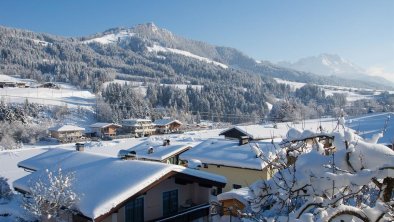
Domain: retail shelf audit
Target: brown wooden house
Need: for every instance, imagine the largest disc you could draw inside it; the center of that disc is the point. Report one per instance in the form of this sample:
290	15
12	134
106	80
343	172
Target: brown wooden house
164	126
103	129
66	133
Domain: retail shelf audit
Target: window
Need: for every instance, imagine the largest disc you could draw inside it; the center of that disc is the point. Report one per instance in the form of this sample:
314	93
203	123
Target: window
236	186
134	210
173	160
170	202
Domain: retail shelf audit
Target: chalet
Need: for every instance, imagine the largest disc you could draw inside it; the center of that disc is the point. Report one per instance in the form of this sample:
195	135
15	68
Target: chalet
5	84
138	191
166	152
103	129
238	163
66	133
138	127
253	132
164	126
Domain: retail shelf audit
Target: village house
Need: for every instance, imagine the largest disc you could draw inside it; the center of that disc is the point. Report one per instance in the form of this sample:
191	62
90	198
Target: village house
103	129
138	127
166	152
66	133
238	162
252	132
164	126
138	191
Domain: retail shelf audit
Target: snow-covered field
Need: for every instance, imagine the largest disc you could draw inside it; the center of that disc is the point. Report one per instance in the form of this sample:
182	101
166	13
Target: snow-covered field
352	94
66	95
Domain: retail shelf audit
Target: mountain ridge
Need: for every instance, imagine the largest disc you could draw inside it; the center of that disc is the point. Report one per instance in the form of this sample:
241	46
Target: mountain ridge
326	64
137	40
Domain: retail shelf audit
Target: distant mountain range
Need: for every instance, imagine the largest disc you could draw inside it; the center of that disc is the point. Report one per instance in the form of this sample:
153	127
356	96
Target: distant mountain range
333	65
150	53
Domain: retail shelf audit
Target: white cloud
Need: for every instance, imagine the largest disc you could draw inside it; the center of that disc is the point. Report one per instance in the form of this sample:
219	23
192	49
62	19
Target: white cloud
382	72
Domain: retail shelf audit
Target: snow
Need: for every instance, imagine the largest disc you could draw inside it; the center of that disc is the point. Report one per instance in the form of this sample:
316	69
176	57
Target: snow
352	94
110	38
66	128
230	153
160	152
269	105
371	124
103	125
95	174
47	96
267	131
243	195
41	42
157	48
164	122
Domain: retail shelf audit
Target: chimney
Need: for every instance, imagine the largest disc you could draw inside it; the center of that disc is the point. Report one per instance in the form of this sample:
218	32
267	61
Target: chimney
243	140
166	142
80	147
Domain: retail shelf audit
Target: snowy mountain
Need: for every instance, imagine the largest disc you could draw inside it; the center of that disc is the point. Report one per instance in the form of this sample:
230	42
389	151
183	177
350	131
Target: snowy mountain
333	65
145	52
151	39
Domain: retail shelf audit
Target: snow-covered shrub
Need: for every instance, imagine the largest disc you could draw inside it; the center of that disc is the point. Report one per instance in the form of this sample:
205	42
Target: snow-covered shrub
326	177
52	196
5	190
7	142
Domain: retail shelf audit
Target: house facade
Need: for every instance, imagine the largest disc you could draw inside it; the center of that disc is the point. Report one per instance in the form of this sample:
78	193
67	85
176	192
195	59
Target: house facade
138	127
104	129
153	192
66	133
164	126
238	163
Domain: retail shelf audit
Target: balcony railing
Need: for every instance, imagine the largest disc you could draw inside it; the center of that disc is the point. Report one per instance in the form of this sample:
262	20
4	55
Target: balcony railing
188	214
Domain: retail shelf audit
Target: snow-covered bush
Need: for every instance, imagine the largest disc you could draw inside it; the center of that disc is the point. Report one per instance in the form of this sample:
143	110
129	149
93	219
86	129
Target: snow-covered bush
52	196
5	190
326	177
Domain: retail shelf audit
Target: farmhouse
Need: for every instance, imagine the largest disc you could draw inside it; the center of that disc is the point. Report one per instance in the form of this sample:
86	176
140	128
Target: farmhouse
104	129
238	163
138	127
66	133
128	190
164	126
167	152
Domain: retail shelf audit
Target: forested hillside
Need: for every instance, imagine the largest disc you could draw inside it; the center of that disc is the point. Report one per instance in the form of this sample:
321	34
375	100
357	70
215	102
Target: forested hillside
233	82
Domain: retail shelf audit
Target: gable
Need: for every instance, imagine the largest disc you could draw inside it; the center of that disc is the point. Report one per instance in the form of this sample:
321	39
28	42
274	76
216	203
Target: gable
233	133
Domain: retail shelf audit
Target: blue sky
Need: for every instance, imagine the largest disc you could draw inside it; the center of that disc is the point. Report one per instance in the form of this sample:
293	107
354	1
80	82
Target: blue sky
358	30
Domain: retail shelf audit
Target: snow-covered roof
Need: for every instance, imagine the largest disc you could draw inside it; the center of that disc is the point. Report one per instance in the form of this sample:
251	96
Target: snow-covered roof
114	179
243	195
164	122
66	128
160	152
103	125
135	122
230	153
266	131
257	132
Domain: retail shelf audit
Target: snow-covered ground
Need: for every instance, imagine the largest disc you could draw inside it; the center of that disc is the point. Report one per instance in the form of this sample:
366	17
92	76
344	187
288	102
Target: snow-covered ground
371	124
110	38
352	94
66	95
157	48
